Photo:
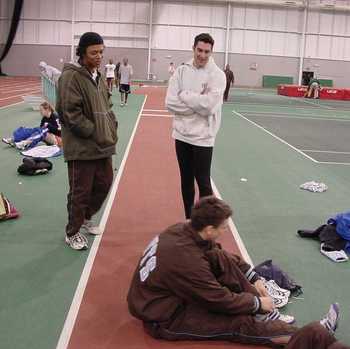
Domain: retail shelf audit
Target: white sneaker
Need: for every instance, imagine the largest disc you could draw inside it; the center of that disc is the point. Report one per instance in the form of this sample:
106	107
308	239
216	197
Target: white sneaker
289	319
77	242
330	321
23	144
122	104
275	315
126	104
275	289
280	302
90	228
9	141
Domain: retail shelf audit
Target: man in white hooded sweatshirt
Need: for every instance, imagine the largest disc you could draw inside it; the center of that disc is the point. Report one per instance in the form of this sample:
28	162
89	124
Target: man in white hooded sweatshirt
194	96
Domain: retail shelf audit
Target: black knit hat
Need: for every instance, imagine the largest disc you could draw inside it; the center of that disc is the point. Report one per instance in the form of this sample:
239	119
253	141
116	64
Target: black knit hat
90	38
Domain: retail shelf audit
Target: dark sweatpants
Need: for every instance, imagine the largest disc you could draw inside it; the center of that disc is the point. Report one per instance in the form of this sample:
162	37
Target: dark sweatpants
227	91
194	322
194	163
312	336
89	184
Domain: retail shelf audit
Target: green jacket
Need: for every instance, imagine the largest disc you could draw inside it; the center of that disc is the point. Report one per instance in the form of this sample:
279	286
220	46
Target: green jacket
89	126
314	80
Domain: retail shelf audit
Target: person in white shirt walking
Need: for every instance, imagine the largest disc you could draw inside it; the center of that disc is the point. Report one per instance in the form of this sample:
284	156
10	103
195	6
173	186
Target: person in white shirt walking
195	97
109	68
125	74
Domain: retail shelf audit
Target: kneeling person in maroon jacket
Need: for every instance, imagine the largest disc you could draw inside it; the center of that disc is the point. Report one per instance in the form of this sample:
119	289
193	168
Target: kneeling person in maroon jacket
186	287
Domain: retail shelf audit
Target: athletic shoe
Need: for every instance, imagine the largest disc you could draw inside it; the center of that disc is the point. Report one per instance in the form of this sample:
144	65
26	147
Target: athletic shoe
90	228
23	144
280	302
77	242
330	321
275	290
126	104
122	104
279	295
289	319
275	315
9	141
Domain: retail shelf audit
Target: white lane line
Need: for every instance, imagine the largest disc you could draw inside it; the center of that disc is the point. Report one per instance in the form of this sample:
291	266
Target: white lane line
19	85
78	296
291	116
274	136
10	105
158	115
272	106
21	95
234	231
24	89
334	163
325	151
292	106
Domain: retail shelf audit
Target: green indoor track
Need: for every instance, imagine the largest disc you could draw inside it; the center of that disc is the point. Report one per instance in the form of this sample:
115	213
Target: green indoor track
269	207
38	273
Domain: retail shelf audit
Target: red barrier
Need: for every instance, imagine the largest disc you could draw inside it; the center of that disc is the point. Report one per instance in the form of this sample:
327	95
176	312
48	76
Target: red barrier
347	94
325	92
291	90
331	93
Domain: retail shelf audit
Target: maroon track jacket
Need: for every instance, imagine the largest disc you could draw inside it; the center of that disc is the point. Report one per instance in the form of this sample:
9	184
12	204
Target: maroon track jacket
177	268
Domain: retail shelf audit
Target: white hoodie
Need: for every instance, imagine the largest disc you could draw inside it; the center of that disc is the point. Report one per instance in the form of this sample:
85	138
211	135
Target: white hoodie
197	116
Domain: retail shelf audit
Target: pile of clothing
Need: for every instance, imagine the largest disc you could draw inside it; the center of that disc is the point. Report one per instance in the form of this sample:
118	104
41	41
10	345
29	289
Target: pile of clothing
333	236
314	187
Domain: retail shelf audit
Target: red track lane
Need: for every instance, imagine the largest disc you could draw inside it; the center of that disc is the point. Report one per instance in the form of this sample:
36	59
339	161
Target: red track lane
147	201
13	88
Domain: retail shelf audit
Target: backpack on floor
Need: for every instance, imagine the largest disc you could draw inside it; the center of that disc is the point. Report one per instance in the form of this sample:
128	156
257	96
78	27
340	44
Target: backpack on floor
7	210
271	271
34	166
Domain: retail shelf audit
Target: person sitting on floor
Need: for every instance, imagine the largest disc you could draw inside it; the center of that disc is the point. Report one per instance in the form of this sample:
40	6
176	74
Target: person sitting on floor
185	287
49	131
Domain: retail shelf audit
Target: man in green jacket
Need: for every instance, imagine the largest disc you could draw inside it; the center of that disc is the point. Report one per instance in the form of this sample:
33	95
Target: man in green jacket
89	136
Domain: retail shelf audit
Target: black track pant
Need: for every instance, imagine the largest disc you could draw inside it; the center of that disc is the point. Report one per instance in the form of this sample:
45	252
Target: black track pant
194	163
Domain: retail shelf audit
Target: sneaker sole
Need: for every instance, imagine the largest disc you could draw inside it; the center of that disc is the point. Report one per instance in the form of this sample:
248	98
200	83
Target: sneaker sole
336	308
